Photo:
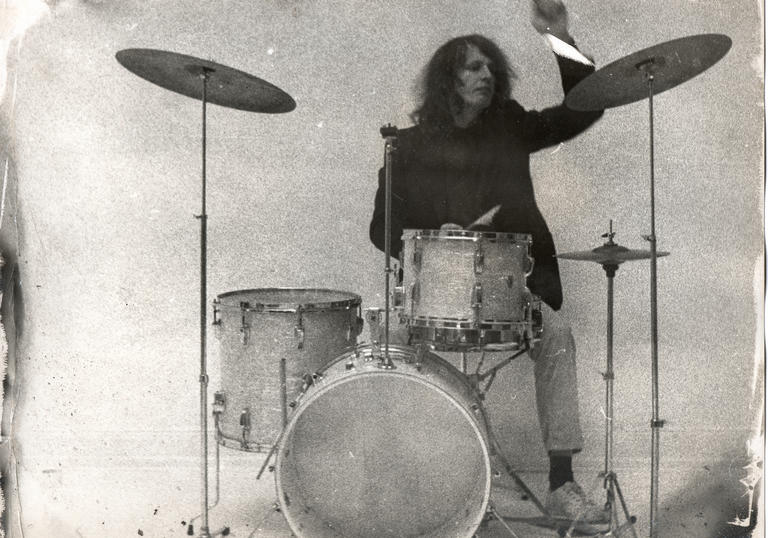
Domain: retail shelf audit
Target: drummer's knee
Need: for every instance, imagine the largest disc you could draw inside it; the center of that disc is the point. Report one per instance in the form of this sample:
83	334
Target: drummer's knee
556	338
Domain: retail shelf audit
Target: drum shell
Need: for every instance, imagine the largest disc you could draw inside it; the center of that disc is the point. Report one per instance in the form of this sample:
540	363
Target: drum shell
255	330
385	453
444	270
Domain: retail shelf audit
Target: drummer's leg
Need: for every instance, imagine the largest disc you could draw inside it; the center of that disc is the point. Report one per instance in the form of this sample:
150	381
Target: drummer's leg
557	398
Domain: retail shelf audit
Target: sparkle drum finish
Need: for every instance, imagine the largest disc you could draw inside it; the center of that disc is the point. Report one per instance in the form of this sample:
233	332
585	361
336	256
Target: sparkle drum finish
464	289
270	342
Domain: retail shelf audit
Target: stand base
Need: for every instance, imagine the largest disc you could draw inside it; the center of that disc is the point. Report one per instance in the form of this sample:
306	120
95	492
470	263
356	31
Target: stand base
205	533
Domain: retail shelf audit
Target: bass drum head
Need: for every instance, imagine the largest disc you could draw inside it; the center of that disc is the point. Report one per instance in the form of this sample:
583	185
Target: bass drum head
383	453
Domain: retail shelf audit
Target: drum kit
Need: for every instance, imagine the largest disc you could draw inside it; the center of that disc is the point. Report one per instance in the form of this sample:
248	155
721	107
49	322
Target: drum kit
387	439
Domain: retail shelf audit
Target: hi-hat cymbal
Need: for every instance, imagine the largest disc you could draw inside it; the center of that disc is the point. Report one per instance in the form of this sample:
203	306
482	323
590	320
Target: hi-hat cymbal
610	254
626	80
225	86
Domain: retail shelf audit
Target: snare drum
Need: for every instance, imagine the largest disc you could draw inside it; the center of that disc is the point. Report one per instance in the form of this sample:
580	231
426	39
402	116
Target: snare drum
385	453
464	289
271	341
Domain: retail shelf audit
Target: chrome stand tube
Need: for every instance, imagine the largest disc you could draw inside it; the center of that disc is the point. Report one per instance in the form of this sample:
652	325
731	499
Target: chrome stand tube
656	422
204	530
390	136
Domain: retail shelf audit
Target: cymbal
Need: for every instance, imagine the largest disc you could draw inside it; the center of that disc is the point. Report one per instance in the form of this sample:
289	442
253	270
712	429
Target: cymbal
610	254
625	80
226	86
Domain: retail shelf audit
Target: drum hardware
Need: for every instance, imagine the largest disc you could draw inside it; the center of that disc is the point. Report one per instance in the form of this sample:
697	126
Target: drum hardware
398	296
633	78
214	83
269	456
219	403
610	255
389	133
309	380
283	392
476	378
245	427
245	328
493	513
479	260
373	317
298	330
477	303
418	249
355	326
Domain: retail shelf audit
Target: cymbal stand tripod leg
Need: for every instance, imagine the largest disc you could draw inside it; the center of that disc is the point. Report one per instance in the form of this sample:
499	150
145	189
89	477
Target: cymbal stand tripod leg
613	490
191	526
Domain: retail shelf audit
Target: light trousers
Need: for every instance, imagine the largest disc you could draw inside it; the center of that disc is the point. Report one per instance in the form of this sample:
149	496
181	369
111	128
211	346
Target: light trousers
554	372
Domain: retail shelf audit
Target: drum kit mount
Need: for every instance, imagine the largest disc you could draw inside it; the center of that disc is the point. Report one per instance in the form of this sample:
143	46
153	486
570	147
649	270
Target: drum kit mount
384	439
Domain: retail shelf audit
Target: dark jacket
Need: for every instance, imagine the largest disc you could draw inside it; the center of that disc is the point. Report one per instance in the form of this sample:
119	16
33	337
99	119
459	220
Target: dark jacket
458	174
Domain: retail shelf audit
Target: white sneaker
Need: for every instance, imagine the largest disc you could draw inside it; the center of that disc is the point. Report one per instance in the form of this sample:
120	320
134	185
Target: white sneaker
570	502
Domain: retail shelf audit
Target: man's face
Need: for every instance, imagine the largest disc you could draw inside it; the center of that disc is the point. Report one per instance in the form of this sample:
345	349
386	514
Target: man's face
475	81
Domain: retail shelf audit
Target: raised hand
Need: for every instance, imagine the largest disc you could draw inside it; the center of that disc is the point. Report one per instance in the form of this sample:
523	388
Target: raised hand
550	17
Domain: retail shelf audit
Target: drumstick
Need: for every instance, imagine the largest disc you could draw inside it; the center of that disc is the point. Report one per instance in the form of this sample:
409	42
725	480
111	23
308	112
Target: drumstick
485	219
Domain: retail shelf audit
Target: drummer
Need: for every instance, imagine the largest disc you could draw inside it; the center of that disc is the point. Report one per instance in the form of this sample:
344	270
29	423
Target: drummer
468	153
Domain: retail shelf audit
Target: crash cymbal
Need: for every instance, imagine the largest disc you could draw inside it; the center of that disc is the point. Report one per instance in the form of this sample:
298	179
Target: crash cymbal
626	80
226	86
610	254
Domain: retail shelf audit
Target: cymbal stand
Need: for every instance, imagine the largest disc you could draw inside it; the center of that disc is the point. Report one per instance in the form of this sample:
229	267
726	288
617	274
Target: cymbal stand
656	423
611	481
389	133
204	73
191	526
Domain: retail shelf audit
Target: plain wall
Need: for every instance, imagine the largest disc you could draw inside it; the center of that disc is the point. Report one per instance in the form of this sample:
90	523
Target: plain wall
106	174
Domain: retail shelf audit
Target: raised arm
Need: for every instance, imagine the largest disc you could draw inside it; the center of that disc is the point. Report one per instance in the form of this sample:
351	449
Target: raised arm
559	123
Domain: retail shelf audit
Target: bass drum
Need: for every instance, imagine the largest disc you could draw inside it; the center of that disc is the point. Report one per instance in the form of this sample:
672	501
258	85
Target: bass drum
391	453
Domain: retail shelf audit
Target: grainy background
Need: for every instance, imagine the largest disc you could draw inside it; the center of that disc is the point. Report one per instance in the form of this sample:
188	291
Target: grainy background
102	183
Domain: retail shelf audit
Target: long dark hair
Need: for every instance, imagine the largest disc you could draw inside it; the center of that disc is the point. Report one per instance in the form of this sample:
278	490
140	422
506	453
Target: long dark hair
438	83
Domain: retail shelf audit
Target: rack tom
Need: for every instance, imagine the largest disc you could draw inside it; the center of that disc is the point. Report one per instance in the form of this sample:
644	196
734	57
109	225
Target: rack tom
464	289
